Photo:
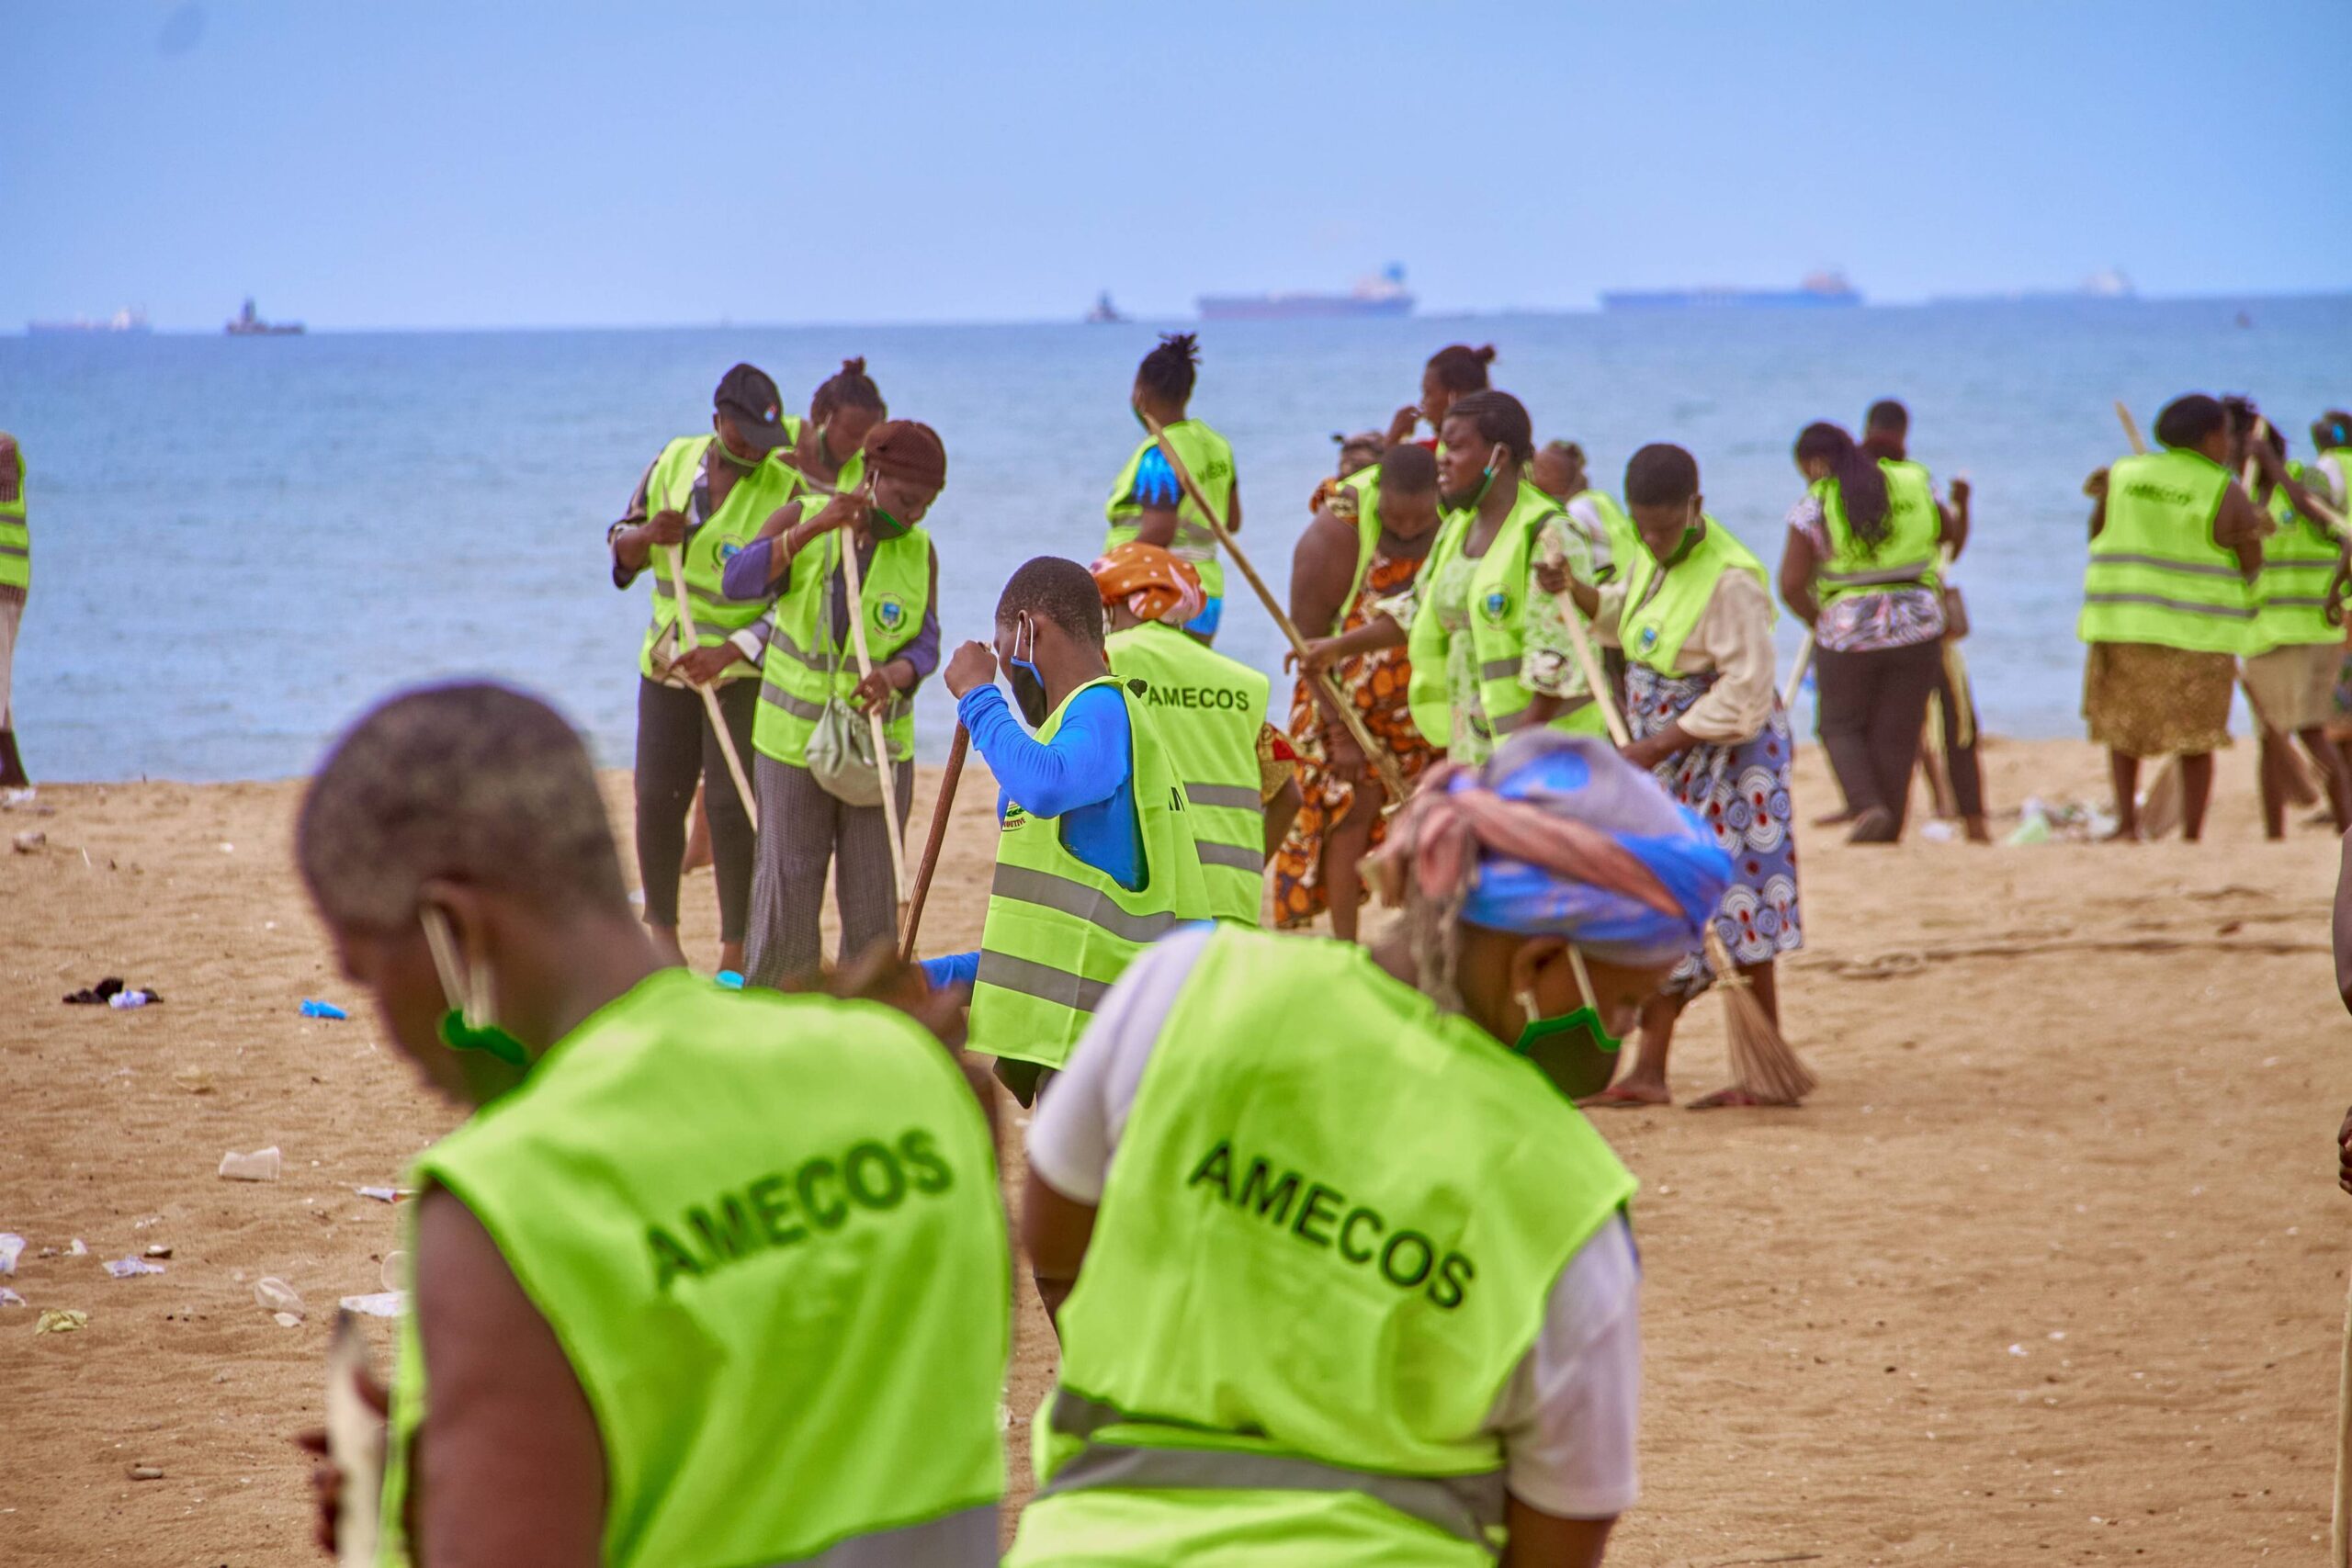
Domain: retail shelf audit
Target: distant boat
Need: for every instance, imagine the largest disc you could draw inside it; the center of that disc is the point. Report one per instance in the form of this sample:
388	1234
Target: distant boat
248	324
129	319
1103	311
1383	295
2109	283
1827	287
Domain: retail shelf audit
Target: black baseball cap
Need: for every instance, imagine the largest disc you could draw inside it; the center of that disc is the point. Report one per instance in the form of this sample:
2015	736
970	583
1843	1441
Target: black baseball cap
746	395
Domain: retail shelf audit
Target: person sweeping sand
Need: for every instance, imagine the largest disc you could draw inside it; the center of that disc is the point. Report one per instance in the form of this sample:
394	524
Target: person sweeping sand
1696	624
700	1240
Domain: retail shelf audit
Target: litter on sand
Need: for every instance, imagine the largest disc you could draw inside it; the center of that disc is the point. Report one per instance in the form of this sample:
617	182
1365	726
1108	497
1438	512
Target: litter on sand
277	1297
262	1165
61	1320
110	991
130	1268
314	1008
382	1303
11	1246
9	1298
385	1194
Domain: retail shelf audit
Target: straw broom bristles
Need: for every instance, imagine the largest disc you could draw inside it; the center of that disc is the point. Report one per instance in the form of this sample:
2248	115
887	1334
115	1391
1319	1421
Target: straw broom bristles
1764	1066
1762	1063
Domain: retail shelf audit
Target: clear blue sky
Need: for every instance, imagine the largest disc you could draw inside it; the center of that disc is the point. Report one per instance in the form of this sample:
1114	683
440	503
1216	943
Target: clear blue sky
488	163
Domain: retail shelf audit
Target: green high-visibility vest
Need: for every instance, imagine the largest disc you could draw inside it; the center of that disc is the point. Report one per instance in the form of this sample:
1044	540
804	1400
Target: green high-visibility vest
1498	593
1208	457
2156	574
1314	1270
1058	931
1905	556
810	659
1208	710
1663	603
16	536
709	547
765	1229
1624	539
1365	486
2298	563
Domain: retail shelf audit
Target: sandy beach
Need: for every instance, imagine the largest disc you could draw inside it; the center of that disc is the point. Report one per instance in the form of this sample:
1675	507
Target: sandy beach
2049	1271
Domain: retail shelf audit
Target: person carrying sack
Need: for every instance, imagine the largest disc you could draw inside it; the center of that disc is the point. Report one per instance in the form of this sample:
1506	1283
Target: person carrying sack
1341	1273
819	784
704	1276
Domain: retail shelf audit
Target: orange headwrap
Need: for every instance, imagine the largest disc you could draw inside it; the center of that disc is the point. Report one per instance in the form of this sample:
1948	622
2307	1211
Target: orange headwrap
1152	583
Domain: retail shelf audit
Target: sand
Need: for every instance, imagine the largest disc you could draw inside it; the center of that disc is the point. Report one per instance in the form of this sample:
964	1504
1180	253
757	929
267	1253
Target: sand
2049	1271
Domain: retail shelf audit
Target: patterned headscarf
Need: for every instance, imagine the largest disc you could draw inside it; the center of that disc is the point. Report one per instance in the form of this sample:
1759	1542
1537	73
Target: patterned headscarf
1556	834
1153	584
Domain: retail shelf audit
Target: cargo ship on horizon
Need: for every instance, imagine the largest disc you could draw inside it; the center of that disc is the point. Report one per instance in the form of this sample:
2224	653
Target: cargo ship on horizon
1827	288
1383	295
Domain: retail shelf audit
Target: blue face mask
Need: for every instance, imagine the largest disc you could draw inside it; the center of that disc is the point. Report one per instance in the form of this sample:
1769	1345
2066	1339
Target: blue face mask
1028	685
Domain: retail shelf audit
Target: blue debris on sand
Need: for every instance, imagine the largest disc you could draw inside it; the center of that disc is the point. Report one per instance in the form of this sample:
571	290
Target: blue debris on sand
322	1010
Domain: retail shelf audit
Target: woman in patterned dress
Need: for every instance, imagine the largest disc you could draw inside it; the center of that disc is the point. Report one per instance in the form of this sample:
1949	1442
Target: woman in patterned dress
1695	619
1339	817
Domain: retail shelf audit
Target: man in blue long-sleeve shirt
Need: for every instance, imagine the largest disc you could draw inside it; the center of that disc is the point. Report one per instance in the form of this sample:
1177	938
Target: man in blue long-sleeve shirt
1117	864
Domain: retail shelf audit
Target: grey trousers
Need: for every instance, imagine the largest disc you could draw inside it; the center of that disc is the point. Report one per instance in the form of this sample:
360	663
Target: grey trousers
802	830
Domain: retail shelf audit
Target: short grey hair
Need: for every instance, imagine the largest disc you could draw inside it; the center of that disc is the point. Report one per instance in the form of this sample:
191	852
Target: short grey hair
474	782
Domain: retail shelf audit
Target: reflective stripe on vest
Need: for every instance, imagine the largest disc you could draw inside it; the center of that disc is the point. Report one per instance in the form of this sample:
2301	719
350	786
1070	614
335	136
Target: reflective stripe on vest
15	538
1208	710
1906	554
1464	1505
1208	457
2298	561
1498	602
2156	573
963	1540
800	673
1058	932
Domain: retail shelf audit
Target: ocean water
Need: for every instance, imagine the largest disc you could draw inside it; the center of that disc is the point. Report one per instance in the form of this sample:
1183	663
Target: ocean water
238	544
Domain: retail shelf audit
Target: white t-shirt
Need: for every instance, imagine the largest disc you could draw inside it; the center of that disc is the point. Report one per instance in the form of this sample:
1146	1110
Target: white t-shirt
2334	478
1568	1418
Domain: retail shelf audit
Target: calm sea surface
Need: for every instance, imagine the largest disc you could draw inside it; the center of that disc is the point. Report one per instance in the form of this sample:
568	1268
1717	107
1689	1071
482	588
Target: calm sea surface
238	544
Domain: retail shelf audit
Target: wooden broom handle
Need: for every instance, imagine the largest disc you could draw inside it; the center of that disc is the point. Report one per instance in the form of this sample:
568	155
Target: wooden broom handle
938	837
1392	777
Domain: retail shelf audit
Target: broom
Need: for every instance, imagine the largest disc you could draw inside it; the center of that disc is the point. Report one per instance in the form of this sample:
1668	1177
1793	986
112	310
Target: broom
947	783
1763	1065
874	719
1392	777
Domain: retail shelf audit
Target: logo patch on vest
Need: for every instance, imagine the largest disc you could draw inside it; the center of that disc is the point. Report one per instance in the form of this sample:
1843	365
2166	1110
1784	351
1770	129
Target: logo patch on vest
729	549
1496	607
1321	1216
1648	639
889	612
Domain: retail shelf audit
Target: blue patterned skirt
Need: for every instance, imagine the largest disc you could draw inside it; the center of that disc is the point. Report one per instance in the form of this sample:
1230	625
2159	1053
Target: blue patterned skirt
1742	793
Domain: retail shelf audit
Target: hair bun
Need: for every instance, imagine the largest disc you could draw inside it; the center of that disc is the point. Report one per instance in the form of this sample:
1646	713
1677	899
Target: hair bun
853	366
1484	354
